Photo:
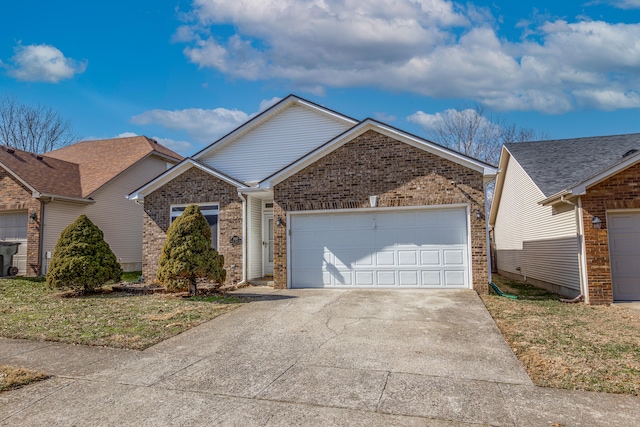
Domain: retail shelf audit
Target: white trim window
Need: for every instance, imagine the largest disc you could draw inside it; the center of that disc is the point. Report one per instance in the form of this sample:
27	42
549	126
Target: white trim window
211	212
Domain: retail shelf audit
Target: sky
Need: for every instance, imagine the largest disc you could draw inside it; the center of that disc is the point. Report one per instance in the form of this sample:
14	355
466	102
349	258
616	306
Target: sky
187	72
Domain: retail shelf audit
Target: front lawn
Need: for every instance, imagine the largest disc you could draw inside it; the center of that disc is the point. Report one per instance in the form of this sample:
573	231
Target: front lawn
28	309
571	346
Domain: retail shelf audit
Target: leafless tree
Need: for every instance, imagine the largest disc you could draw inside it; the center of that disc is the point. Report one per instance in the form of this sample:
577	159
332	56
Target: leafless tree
37	129
472	132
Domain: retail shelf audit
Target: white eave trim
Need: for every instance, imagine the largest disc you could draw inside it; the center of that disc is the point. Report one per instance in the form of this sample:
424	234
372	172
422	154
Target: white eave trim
369	124
266	116
52	197
178	170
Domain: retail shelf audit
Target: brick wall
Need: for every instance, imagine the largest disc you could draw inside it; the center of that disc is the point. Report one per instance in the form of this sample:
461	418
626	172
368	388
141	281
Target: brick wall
193	186
401	175
14	196
621	191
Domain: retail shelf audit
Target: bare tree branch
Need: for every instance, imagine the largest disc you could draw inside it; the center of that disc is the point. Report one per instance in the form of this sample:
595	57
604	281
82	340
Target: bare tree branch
36	129
470	131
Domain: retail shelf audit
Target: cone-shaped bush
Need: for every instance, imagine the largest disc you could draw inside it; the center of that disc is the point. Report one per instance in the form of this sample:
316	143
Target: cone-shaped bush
187	253
82	260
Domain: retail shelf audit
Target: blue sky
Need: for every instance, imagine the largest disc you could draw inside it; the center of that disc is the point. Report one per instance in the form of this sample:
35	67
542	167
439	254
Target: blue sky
186	72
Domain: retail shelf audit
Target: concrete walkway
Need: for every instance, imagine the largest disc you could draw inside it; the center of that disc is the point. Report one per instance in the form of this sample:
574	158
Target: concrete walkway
312	357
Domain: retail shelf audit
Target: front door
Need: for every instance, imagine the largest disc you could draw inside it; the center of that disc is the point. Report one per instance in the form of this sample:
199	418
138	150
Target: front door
267	245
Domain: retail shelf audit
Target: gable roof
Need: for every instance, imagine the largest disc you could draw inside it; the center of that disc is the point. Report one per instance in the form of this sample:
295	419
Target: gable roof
566	167
177	170
370	124
556	165
102	160
267	115
41	173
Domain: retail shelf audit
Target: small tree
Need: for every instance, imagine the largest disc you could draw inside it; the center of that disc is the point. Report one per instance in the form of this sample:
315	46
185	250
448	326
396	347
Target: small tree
82	260
187	253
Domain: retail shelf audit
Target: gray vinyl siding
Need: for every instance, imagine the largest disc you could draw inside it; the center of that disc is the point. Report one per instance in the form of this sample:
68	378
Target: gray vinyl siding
255	238
119	219
275	144
533	240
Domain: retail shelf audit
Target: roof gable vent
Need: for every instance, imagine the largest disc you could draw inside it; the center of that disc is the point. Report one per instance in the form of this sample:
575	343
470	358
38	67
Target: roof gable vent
630	152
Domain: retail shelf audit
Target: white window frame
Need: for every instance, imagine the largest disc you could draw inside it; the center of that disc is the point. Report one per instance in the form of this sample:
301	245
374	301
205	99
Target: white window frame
210	211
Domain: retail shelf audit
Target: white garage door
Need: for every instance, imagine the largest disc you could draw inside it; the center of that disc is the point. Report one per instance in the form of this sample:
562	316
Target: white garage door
624	253
13	228
384	249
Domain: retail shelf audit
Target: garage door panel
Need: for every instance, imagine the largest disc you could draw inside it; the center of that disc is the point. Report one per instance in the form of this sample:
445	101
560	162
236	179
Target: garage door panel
384	249
454	257
386	278
408	278
364	277
453	278
385	258
431	278
624	251
430	258
407	258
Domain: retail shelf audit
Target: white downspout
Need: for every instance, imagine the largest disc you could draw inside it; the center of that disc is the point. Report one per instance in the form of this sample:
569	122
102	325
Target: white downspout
584	279
244	238
582	261
486	228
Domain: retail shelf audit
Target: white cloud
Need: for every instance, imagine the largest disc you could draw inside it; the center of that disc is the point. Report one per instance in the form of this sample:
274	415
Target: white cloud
267	103
200	124
384	117
43	63
431	122
126	135
436	48
625	4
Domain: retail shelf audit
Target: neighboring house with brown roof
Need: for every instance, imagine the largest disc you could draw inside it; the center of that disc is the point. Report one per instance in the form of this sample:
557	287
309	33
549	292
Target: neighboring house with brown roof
40	195
314	198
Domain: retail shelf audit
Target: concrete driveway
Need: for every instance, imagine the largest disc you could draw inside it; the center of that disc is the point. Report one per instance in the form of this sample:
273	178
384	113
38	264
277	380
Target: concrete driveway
308	357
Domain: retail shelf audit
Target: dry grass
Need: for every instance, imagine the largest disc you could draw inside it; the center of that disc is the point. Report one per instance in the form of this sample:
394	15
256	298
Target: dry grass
571	346
12	377
28	309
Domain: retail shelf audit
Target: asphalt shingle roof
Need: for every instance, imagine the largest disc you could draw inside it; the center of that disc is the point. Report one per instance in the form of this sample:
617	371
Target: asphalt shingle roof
556	165
80	169
42	173
102	160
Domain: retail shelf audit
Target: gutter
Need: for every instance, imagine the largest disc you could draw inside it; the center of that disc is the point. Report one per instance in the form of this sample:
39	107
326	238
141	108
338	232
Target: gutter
52	197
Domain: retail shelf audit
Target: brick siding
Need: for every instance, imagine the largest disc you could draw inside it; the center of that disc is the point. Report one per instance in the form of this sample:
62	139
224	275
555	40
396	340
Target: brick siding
401	175
14	196
621	191
193	186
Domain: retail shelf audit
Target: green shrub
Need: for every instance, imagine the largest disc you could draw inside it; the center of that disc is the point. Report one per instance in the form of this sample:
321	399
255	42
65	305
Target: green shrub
82	260
187	254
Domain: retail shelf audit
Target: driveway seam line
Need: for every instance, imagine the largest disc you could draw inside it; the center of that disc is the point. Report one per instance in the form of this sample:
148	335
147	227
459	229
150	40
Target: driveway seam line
39	400
386	381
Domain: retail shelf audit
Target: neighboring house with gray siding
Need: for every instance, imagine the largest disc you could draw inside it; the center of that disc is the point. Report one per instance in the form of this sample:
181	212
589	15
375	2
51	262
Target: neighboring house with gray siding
313	198
566	216
40	195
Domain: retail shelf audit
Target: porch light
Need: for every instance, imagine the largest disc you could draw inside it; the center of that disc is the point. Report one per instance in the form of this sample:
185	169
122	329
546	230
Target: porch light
597	222
279	222
33	216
